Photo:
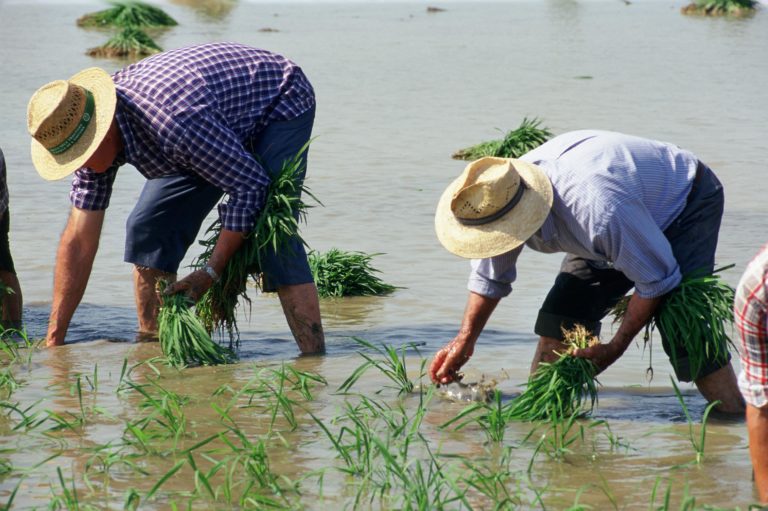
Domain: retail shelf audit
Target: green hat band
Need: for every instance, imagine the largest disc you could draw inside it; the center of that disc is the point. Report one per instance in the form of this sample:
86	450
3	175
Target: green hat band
82	124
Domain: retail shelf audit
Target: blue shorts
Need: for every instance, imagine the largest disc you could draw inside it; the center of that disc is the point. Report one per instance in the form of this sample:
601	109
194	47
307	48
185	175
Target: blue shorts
584	292
170	211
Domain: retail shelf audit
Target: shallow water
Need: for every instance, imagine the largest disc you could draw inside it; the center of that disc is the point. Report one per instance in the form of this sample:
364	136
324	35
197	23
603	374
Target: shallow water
398	91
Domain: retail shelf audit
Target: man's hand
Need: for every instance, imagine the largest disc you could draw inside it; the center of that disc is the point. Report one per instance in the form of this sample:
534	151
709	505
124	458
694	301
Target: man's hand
447	362
602	355
193	285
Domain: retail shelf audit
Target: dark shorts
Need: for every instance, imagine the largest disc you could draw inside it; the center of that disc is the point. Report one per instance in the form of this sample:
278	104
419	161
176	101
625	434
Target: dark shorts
170	211
6	261
584	291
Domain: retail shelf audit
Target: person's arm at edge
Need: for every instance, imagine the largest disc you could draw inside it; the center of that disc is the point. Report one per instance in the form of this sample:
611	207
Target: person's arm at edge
452	356
74	261
639	312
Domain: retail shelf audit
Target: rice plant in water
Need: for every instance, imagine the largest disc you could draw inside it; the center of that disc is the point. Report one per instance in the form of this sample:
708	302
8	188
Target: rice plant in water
131	42
528	136
276	225
738	8
129	14
183	339
693	317
392	364
561	388
338	273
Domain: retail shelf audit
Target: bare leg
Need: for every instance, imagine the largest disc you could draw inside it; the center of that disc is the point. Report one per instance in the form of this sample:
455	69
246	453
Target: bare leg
12	303
757	426
721	385
302	311
545	351
147	301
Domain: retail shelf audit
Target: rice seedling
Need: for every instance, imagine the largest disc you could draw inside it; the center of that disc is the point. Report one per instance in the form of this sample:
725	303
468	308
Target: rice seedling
737	8
339	273
492	418
276	226
526	137
129	43
166	418
559	389
696	443
693	318
494	482
183	339
130	14
392	365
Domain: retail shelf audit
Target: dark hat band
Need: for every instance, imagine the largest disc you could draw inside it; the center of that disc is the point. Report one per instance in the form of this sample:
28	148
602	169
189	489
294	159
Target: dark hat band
498	214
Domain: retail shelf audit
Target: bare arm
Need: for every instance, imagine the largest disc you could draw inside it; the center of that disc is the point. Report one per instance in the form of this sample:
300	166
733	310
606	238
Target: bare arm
74	261
197	283
456	353
639	312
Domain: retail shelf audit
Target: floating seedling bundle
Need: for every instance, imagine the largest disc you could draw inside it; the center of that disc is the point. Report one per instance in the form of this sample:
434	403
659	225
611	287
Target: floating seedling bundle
561	388
131	42
183	339
128	15
276	225
693	318
737	8
515	143
339	273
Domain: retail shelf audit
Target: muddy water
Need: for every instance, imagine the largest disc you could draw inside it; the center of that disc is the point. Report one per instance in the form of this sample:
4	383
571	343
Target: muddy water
399	90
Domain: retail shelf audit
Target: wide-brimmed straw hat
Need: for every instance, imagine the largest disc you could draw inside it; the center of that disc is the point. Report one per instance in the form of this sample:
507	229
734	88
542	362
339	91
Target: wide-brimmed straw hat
495	205
68	119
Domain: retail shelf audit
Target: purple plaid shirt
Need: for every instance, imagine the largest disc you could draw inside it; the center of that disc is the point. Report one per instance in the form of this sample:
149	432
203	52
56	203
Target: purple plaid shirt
194	111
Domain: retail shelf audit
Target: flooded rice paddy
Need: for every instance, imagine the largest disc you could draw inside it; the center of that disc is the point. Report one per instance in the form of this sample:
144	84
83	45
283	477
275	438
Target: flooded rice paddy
102	422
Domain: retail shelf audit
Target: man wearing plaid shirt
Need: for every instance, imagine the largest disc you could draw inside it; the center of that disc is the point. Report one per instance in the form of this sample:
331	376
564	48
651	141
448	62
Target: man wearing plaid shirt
751	314
199	123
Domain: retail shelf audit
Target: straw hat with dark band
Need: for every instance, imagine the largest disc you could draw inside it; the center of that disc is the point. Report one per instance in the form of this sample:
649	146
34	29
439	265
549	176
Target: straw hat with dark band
68	119
494	206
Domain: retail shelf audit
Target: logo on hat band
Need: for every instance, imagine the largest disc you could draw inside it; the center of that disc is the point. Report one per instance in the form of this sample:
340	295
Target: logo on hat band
82	124
498	214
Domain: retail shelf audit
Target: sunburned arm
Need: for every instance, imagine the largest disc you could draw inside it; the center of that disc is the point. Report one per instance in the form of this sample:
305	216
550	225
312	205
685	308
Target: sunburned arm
456	353
639	312
74	261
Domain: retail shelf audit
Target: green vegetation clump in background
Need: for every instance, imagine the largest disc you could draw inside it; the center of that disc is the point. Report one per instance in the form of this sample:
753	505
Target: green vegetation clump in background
276	225
721	7
130	14
338	273
131	42
559	389
526	137
693	318
183	339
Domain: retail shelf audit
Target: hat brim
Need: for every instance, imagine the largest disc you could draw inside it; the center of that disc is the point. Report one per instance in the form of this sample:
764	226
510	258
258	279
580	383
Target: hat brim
51	166
504	234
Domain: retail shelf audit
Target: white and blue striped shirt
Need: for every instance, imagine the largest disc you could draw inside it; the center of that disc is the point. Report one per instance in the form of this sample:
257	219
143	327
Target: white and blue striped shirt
614	195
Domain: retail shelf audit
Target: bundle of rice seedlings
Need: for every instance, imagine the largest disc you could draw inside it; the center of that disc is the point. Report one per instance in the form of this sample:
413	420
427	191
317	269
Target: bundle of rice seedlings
183	339
277	224
693	317
559	389
721	7
131	14
515	143
131	42
339	273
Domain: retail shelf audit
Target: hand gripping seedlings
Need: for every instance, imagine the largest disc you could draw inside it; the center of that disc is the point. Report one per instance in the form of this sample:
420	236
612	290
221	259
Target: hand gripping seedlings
183	339
561	388
277	224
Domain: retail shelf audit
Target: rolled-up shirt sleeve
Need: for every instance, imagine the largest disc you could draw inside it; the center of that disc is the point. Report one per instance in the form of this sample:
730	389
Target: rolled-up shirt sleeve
92	190
493	276
211	150
638	248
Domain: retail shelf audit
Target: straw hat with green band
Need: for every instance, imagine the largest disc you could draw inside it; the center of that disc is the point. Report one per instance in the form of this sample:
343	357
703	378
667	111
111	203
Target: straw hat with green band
494	206
68	119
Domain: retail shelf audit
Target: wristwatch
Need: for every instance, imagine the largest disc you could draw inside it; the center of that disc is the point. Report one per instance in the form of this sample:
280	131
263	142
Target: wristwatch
211	272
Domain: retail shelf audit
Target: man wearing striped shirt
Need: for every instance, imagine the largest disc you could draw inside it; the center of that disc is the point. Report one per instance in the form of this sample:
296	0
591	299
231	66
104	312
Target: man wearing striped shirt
627	211
199	123
751	314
